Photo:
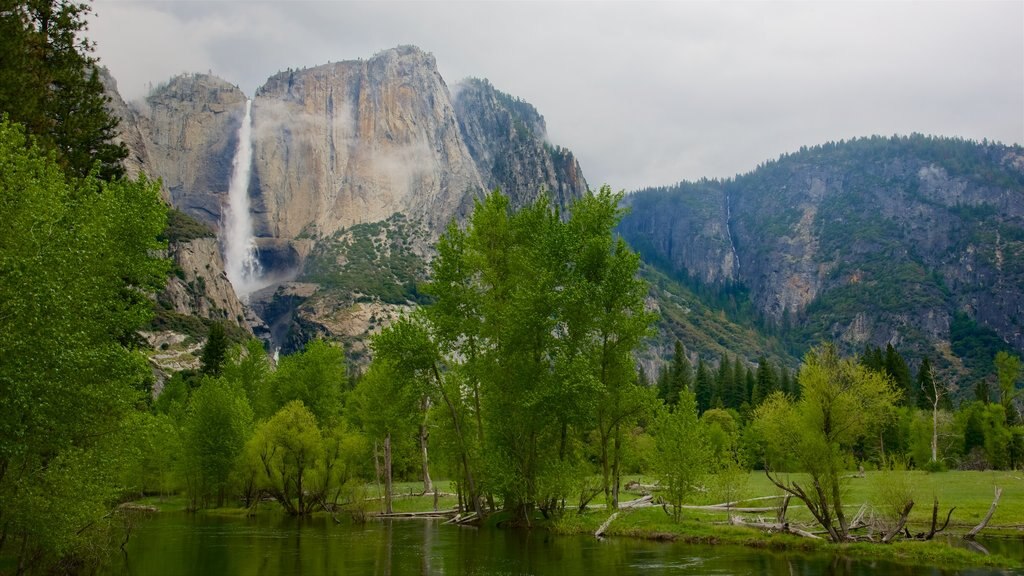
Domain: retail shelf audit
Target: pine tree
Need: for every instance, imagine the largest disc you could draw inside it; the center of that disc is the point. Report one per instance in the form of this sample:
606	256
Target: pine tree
704	387
49	82
723	383
766	382
896	367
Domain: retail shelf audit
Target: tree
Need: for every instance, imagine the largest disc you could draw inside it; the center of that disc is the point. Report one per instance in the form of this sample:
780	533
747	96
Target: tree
248	366
216	427
535	317
703	387
1007	371
286	450
683	456
316	377
75	268
840	403
765	381
49	81
387	404
679	377
896	367
214	353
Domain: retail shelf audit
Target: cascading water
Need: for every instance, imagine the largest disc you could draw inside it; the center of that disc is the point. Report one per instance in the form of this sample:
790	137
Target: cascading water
241	258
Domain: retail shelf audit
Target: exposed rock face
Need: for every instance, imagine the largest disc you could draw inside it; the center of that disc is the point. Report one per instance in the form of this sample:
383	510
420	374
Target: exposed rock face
879	240
190	126
684	229
203	290
357	141
129	131
507	138
335	147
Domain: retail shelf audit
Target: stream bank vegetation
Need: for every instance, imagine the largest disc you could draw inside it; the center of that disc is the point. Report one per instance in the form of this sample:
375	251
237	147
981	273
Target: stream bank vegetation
513	399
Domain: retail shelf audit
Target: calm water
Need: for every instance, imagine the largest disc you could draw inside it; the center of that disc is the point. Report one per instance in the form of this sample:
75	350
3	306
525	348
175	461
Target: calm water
178	543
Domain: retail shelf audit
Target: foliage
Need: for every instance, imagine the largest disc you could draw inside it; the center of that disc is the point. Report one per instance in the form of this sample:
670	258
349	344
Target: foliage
372	260
181	228
49	81
840	403
217	423
315	376
683	455
75	267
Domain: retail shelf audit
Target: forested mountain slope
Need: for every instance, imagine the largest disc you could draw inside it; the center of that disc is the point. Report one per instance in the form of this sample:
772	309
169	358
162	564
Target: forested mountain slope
915	241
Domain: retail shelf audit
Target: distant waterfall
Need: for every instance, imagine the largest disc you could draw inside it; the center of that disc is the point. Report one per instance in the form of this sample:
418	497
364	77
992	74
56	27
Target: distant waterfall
241	258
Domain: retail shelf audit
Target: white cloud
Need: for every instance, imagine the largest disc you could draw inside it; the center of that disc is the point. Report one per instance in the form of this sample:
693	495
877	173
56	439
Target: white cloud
644	93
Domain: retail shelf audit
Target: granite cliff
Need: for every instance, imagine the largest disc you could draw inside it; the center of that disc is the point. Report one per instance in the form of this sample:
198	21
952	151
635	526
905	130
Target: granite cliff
336	147
913	241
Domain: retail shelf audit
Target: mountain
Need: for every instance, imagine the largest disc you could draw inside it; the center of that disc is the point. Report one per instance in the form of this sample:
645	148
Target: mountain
357	167
915	241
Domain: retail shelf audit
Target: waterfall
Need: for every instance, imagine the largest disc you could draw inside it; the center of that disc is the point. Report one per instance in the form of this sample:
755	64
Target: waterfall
241	258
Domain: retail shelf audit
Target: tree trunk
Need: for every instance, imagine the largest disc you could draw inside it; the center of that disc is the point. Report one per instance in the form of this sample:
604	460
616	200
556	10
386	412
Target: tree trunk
615	467
428	485
935	425
606	473
387	474
376	466
984	522
471	486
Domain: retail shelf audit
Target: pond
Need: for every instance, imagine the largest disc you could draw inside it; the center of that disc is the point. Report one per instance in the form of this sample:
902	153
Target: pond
179	543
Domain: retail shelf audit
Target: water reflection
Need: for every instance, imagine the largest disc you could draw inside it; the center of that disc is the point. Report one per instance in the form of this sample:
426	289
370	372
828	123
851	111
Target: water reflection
196	544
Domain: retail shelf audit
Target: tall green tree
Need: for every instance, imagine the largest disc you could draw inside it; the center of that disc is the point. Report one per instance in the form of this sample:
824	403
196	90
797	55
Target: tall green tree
1007	373
704	387
215	351
75	267
49	81
217	424
765	381
840	403
316	377
537	315
683	454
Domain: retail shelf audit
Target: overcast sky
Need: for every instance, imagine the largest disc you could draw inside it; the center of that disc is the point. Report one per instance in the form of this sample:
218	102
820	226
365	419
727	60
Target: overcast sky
645	94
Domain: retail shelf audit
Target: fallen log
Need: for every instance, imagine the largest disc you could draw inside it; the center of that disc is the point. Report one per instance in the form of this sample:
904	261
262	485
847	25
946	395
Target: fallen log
426	514
984	522
784	527
604	526
899	524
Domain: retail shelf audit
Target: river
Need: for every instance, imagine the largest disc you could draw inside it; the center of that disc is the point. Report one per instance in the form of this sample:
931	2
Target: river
178	543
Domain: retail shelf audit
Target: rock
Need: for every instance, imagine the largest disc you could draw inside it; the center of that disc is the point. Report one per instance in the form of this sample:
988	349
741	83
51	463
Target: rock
355	142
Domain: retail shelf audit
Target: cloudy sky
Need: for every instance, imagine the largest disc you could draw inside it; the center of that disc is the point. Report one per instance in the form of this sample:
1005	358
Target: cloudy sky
644	93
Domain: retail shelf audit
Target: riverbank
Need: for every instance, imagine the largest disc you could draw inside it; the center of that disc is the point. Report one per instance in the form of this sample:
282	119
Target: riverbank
969	492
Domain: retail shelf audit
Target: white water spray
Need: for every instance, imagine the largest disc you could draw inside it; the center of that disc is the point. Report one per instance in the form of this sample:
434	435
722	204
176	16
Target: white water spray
240	253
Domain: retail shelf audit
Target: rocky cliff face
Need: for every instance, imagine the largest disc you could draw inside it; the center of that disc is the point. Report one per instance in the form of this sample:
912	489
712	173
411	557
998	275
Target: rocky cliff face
336	147
190	127
355	142
200	288
507	138
872	241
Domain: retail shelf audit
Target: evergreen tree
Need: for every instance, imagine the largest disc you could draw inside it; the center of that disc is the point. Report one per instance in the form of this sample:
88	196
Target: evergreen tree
766	382
896	367
723	383
49	82
748	389
214	351
704	388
